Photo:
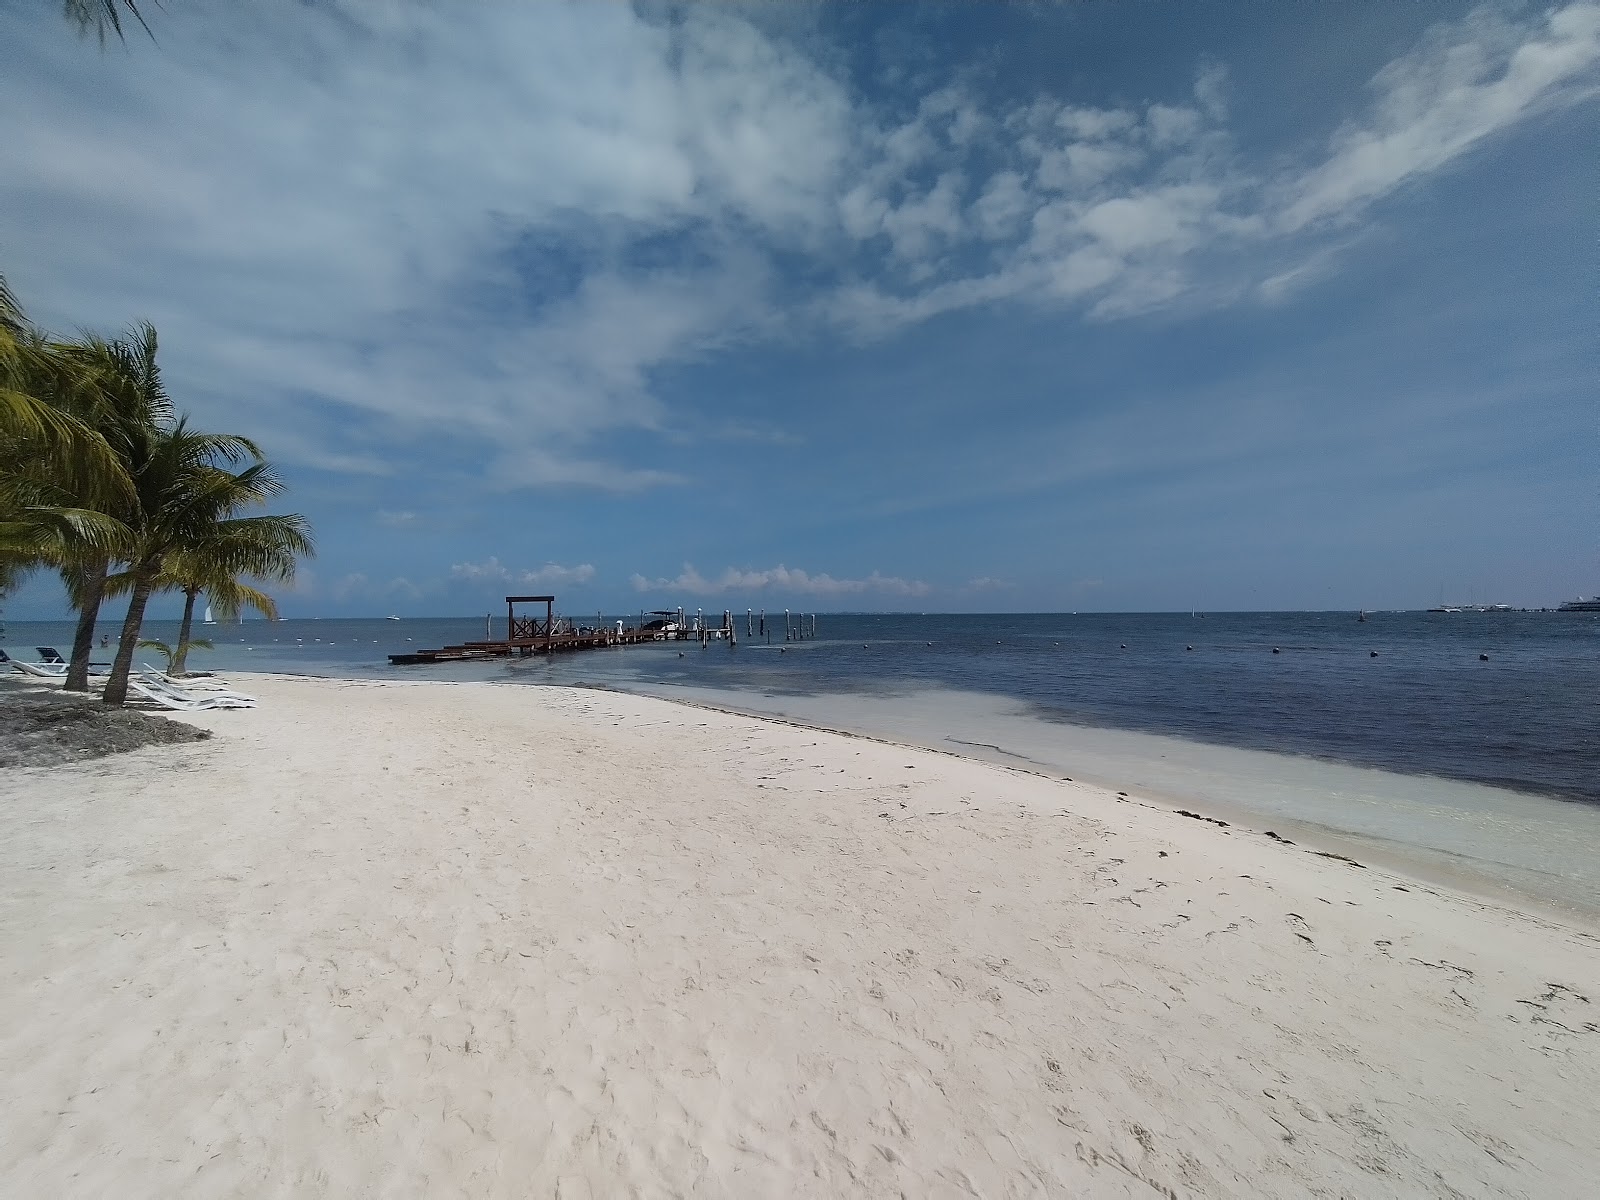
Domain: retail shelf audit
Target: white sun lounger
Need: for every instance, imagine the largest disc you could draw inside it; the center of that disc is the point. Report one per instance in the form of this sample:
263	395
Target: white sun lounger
178	703
150	677
49	667
41	670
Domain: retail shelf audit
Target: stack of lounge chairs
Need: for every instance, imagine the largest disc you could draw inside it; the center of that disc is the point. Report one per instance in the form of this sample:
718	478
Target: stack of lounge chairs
147	682
168	693
51	664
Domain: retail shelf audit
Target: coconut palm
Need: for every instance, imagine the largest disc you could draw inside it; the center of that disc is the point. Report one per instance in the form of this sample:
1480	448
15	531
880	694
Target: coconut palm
115	389
61	479
184	495
41	382
264	548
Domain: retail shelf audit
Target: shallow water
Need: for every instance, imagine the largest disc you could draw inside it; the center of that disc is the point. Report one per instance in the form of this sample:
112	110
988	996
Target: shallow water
1427	704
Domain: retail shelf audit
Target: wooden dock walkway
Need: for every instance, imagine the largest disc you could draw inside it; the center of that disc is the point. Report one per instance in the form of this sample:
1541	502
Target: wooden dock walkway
530	635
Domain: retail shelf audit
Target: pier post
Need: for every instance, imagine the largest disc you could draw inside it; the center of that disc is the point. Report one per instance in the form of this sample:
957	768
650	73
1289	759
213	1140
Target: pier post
748	632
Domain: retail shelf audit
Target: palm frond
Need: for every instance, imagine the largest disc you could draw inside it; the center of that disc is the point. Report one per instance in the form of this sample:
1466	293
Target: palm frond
103	16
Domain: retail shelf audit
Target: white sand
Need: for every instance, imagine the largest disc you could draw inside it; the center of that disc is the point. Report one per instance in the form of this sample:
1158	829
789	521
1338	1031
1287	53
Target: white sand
464	939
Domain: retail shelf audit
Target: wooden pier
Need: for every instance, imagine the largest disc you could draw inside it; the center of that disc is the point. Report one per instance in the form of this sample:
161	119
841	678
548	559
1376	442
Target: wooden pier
528	635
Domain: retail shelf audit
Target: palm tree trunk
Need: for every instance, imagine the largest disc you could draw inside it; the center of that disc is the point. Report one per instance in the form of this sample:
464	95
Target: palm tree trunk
117	686
93	585
181	654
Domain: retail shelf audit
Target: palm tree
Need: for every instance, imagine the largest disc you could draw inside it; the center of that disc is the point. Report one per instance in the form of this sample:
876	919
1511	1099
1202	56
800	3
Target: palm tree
61	479
37	375
255	547
115	389
183	498
130	406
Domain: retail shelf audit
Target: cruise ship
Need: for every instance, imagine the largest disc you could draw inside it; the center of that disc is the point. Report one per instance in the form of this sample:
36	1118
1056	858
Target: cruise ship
1581	605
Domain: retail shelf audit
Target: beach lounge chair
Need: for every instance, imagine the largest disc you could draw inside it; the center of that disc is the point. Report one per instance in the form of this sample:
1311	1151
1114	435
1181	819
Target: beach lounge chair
151	677
50	656
177	703
44	670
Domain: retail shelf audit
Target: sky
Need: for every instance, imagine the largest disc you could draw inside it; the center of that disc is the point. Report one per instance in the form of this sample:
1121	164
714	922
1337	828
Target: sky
948	307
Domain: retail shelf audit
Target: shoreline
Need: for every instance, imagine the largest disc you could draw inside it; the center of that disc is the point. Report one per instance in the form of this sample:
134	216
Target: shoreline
376	935
1427	865
1424	864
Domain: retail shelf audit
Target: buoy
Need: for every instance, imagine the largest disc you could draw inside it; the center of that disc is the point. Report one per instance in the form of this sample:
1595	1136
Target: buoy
863	645
1275	650
1124	645
1372	653
1188	647
1483	658
930	643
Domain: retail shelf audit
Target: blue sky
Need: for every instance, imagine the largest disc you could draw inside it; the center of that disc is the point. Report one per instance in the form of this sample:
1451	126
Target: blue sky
947	307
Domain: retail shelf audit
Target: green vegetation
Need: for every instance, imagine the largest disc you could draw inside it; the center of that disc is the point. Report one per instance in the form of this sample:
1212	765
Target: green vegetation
169	655
102	481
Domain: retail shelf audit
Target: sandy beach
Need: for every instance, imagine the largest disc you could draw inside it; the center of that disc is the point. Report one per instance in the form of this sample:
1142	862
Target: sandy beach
406	939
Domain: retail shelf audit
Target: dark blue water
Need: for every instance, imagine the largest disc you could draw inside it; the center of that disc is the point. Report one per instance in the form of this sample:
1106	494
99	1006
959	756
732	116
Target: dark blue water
1524	719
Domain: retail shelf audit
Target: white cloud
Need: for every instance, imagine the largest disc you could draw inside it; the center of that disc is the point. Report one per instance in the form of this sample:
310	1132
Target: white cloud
1002	206
1129	209
369	229
785	579
1082	165
1094	122
492	570
554	575
1465	83
353	584
395	520
985	583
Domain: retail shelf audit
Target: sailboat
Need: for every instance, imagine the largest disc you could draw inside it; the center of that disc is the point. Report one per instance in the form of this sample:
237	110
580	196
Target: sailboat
209	619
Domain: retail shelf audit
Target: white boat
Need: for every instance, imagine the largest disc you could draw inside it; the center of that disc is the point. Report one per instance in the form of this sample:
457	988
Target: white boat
209	619
391	618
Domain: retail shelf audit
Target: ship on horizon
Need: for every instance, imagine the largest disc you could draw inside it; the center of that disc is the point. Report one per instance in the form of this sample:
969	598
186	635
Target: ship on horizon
1581	605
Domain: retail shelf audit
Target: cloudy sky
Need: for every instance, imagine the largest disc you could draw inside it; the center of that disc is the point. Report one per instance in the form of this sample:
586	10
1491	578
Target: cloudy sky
1117	305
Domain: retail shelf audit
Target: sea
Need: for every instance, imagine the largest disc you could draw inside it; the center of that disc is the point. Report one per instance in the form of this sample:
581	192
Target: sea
1466	745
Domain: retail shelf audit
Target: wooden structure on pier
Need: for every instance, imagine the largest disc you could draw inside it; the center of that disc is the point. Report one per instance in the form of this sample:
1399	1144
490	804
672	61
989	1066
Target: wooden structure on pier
530	629
528	635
